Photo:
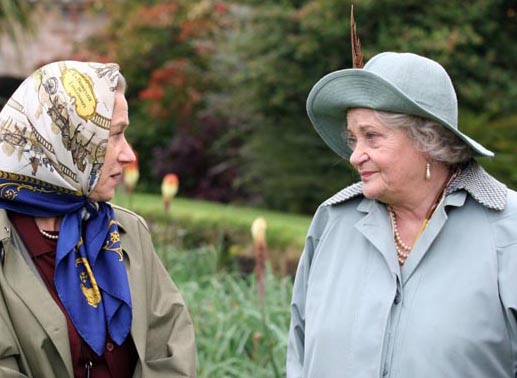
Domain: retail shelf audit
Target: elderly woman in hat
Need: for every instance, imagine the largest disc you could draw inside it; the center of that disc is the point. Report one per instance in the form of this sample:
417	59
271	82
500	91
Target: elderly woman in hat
411	272
82	293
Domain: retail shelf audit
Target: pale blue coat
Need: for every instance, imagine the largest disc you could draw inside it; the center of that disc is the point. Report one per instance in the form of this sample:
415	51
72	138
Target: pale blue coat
448	313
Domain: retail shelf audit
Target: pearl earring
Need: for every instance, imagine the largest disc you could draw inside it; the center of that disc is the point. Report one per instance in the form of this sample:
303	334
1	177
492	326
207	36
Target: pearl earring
428	171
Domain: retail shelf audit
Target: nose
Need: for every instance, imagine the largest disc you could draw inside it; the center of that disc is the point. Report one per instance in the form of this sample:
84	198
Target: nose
358	156
127	154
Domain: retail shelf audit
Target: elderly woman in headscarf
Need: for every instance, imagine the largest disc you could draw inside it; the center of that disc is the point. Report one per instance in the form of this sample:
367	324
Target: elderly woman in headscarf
82	293
411	272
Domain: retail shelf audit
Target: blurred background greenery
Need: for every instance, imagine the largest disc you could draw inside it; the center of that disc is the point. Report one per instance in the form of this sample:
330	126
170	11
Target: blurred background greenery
217	88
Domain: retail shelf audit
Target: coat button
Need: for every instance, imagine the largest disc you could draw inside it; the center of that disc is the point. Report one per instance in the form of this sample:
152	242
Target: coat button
398	298
110	346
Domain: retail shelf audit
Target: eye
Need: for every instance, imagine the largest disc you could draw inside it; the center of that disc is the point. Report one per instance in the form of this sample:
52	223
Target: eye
118	130
371	135
351	142
116	133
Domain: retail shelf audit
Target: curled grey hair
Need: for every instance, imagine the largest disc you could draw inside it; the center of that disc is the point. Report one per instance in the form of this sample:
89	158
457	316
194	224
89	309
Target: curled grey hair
430	137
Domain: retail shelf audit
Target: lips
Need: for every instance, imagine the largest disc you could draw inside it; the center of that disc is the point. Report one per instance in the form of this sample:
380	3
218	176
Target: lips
116	176
365	175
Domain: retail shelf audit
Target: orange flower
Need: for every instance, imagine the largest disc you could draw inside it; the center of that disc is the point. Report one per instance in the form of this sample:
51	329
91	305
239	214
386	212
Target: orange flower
169	189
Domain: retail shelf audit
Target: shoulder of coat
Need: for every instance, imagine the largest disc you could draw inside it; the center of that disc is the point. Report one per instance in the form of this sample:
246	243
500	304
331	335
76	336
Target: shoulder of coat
483	187
127	218
344	195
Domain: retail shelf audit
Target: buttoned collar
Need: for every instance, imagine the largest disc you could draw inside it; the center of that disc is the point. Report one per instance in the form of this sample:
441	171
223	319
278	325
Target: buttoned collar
473	179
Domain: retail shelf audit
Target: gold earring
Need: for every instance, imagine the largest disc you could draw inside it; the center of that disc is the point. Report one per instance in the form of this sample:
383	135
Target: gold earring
428	171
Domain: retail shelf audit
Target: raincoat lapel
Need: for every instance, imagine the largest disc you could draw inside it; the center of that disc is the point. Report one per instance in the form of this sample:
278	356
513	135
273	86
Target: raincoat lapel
31	291
375	226
423	243
431	232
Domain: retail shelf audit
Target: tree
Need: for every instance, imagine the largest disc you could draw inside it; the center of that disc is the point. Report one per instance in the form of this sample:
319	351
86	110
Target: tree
219	88
14	14
285	47
14	17
164	49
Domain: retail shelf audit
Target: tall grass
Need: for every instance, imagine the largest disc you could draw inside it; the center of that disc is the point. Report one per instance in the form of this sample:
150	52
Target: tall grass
236	335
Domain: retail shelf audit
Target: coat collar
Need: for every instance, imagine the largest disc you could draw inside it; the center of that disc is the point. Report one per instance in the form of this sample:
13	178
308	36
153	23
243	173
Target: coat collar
484	188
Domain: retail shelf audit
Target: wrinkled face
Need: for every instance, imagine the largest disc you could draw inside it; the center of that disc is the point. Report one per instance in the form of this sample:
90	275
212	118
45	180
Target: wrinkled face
391	168
118	152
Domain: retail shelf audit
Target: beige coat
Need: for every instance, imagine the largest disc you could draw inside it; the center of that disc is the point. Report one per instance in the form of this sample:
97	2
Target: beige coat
33	330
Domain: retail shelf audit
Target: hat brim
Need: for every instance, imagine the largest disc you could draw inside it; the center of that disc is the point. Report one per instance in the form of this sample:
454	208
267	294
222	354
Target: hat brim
335	93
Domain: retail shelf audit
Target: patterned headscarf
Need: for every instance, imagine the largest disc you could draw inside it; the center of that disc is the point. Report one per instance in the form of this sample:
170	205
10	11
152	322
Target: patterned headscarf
53	136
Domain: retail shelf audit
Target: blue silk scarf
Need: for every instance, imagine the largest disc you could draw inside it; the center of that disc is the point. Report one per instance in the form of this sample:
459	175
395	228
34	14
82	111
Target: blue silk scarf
90	275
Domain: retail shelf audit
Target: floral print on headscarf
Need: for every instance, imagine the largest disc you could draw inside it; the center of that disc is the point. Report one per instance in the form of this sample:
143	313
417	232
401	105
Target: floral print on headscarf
54	132
55	127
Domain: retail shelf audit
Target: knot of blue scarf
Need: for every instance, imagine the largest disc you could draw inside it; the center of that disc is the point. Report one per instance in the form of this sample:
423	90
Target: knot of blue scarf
90	276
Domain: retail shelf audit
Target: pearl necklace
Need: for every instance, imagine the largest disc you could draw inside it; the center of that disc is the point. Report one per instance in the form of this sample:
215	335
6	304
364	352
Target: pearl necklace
48	235
402	248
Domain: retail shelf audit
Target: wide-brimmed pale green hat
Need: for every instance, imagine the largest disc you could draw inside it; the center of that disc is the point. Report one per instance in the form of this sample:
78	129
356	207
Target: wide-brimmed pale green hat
395	82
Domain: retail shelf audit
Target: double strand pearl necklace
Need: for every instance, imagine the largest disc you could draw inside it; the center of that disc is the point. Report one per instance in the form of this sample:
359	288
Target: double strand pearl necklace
402	248
48	235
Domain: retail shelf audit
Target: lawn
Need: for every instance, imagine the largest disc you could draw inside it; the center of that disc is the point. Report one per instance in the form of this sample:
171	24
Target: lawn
191	224
284	229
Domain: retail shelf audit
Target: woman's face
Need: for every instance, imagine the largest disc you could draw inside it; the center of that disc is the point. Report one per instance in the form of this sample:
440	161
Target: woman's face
391	168
118	152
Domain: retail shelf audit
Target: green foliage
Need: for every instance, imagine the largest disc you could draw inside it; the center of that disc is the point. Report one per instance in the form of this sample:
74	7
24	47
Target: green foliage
236	335
284	160
250	64
501	136
14	14
472	40
164	49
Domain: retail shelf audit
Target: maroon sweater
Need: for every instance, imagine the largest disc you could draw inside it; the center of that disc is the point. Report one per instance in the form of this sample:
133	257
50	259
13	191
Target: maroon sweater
116	361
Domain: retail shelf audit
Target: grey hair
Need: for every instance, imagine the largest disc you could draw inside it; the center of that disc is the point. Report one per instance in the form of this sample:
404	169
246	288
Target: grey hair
429	137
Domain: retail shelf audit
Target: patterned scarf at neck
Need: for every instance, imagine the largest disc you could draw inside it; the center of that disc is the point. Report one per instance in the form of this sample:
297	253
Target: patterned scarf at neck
53	136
